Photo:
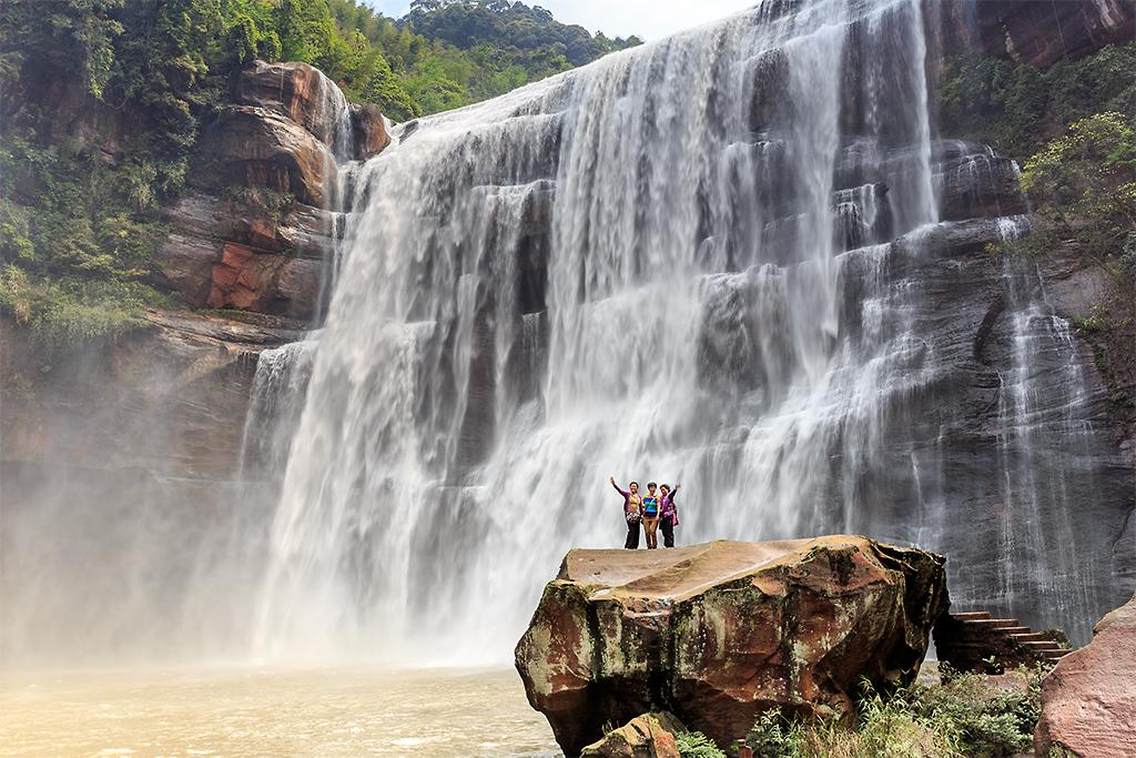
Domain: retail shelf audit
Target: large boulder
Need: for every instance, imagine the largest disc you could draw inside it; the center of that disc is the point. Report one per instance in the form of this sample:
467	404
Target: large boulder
298	91
1088	702
258	147
718	633
369	134
651	735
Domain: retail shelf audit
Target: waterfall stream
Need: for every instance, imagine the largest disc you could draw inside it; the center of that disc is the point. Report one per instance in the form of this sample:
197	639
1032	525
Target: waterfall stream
741	259
637	269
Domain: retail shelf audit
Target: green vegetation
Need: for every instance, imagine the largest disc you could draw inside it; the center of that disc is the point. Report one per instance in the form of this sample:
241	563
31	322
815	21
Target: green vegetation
70	309
453	53
522	33
697	745
79	208
1017	107
76	237
1084	184
1083	188
964	717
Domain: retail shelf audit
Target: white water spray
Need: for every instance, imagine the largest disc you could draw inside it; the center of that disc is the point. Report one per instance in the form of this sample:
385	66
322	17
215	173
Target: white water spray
629	269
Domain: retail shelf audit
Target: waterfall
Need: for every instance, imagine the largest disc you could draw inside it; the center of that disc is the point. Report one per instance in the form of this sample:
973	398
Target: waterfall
703	261
637	269
1043	440
278	390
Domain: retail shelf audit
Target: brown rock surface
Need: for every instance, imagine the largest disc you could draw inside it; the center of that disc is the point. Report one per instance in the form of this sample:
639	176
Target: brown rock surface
651	735
1037	32
170	396
719	632
1043	33
219	274
299	230
1088	702
296	90
369	131
276	284
259	147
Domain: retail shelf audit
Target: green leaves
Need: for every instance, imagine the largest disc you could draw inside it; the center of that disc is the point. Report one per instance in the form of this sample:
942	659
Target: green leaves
62	34
965	716
62	310
1016	106
697	745
1085	182
305	30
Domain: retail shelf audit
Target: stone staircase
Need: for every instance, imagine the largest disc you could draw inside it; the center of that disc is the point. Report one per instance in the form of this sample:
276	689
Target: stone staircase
977	641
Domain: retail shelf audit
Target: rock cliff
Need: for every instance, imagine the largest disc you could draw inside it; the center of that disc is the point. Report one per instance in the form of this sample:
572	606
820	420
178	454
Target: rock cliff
1088	702
259	229
1037	33
718	633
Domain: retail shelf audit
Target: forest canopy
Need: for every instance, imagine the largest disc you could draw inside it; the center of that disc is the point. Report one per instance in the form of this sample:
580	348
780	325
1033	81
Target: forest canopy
77	231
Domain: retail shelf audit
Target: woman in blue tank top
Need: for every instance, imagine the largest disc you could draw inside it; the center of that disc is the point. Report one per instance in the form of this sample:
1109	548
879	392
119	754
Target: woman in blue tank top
651	515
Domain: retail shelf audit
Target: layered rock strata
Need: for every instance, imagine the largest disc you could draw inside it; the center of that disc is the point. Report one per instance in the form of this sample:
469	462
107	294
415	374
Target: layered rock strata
258	232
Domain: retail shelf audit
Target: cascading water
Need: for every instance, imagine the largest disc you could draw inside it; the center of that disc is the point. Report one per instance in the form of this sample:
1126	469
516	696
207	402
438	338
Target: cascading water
1043	438
631	269
716	260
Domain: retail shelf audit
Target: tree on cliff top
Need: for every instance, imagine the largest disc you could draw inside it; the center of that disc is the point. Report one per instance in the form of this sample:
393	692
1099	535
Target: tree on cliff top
466	24
78	227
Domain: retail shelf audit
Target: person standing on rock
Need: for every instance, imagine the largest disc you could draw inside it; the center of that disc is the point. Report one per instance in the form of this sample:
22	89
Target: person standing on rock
651	516
668	514
632	512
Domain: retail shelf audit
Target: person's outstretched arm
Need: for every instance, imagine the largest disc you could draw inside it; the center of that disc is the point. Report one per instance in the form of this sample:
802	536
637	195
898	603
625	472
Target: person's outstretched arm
625	493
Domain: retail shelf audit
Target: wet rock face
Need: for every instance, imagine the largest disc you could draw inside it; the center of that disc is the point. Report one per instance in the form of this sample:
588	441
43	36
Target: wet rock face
369	131
720	632
973	181
1088	702
1043	33
297	91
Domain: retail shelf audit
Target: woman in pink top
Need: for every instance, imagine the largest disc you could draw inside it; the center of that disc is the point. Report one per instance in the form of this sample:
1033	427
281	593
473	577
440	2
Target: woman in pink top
668	514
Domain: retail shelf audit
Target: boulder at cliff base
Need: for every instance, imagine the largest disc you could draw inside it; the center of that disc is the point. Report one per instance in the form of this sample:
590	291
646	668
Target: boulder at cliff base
1088	701
718	633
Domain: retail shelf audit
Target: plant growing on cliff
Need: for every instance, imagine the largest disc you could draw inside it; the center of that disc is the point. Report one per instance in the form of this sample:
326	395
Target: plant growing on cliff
73	33
68	310
1084	183
1017	107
